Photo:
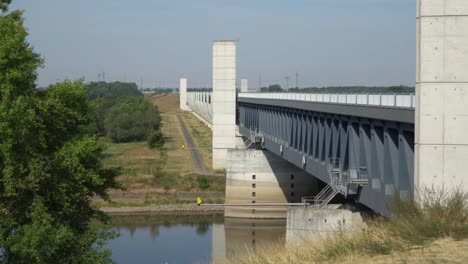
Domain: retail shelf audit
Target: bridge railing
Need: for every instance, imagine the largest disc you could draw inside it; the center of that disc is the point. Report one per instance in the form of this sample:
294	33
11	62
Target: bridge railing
200	103
383	100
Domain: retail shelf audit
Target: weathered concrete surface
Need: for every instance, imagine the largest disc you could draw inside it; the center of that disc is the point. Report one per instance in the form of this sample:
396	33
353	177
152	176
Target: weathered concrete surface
310	223
441	141
244	88
259	176
224	100
183	94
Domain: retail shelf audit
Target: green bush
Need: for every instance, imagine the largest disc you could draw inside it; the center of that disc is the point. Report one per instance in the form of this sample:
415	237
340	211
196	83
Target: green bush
203	182
156	140
131	119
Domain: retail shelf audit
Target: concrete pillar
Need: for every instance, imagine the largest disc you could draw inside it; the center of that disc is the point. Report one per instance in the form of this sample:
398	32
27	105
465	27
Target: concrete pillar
441	138
259	176
309	223
183	94
244	86
224	100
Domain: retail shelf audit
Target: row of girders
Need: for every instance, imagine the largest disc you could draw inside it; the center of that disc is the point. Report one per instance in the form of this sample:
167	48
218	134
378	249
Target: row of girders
385	150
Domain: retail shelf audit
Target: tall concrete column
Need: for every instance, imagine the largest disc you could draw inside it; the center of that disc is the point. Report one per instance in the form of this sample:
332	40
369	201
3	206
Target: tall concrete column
244	86
441	139
224	101
183	94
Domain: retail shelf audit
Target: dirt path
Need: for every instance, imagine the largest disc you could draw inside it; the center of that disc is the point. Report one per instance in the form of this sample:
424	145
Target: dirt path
196	157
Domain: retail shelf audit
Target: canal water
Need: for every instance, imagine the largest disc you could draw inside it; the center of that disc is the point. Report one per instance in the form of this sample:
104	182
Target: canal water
191	239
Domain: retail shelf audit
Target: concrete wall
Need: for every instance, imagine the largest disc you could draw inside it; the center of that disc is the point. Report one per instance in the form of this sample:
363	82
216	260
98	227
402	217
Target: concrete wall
260	176
244	86
224	100
441	140
200	105
309	223
183	94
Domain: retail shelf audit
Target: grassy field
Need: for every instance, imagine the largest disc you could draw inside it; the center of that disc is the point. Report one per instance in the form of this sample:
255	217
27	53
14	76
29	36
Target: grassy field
201	135
428	231
144	177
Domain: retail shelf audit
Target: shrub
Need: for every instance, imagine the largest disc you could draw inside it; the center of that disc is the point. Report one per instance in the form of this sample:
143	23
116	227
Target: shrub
156	140
131	119
203	183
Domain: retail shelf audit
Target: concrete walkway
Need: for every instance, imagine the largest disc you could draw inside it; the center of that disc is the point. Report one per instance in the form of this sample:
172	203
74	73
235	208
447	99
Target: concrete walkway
196	157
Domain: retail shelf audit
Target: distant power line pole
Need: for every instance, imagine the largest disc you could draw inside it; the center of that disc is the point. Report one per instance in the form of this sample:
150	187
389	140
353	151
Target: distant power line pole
141	83
287	82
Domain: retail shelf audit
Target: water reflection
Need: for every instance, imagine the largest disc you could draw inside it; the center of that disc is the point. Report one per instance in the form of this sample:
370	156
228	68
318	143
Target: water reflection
191	239
163	239
247	236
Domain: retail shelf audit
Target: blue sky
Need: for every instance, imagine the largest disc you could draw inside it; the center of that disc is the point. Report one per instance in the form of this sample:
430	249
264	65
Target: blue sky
328	42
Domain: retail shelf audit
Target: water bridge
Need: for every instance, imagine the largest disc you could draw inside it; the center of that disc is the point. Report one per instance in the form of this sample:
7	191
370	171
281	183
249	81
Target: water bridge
367	147
361	145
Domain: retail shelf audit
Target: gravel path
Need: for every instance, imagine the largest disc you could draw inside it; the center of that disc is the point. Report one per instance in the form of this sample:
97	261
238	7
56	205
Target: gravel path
196	157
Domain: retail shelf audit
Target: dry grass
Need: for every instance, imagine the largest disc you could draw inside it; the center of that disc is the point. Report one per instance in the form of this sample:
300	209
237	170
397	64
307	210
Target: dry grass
142	172
420	232
201	135
167	103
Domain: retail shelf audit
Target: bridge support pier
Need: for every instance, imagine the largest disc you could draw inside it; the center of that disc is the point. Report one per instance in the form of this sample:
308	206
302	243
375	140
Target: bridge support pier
441	142
244	86
309	223
224	101
259	176
183	94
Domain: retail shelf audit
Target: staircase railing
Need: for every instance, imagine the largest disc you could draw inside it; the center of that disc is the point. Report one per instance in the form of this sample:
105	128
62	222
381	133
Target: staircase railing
252	139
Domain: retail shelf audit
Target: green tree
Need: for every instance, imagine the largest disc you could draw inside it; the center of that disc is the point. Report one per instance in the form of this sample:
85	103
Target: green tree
112	89
49	167
131	119
272	88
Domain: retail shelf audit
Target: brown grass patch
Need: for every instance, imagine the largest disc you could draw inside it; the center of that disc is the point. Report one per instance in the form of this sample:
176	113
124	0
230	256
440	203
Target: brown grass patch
166	103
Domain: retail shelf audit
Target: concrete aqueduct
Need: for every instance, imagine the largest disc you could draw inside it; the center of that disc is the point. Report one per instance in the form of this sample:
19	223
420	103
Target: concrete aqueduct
367	147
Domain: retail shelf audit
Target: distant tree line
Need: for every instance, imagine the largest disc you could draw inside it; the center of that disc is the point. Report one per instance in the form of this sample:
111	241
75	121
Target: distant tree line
112	89
121	112
341	89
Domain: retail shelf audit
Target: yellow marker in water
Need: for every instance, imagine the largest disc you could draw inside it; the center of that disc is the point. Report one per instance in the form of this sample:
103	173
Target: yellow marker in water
199	201
183	146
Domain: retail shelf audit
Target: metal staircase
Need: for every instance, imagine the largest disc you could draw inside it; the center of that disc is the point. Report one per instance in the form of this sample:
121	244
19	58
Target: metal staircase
326	195
339	184
254	138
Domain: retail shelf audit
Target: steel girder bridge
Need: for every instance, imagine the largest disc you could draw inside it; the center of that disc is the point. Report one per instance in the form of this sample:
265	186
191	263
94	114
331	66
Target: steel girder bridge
368	138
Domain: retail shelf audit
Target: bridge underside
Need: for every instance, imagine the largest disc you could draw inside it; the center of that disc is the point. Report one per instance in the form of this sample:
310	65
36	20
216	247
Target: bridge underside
377	149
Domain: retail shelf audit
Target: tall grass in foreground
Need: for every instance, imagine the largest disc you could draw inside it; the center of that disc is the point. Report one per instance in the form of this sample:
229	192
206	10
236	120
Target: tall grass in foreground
435	215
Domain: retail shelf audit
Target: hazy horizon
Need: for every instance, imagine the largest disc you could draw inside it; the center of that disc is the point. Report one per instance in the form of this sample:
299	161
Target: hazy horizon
328	42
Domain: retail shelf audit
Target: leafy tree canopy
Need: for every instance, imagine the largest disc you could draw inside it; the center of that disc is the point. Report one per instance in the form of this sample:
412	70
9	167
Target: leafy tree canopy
49	166
131	119
113	89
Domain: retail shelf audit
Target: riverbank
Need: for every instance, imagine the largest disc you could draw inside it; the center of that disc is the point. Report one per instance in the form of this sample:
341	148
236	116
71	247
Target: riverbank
165	209
158	184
